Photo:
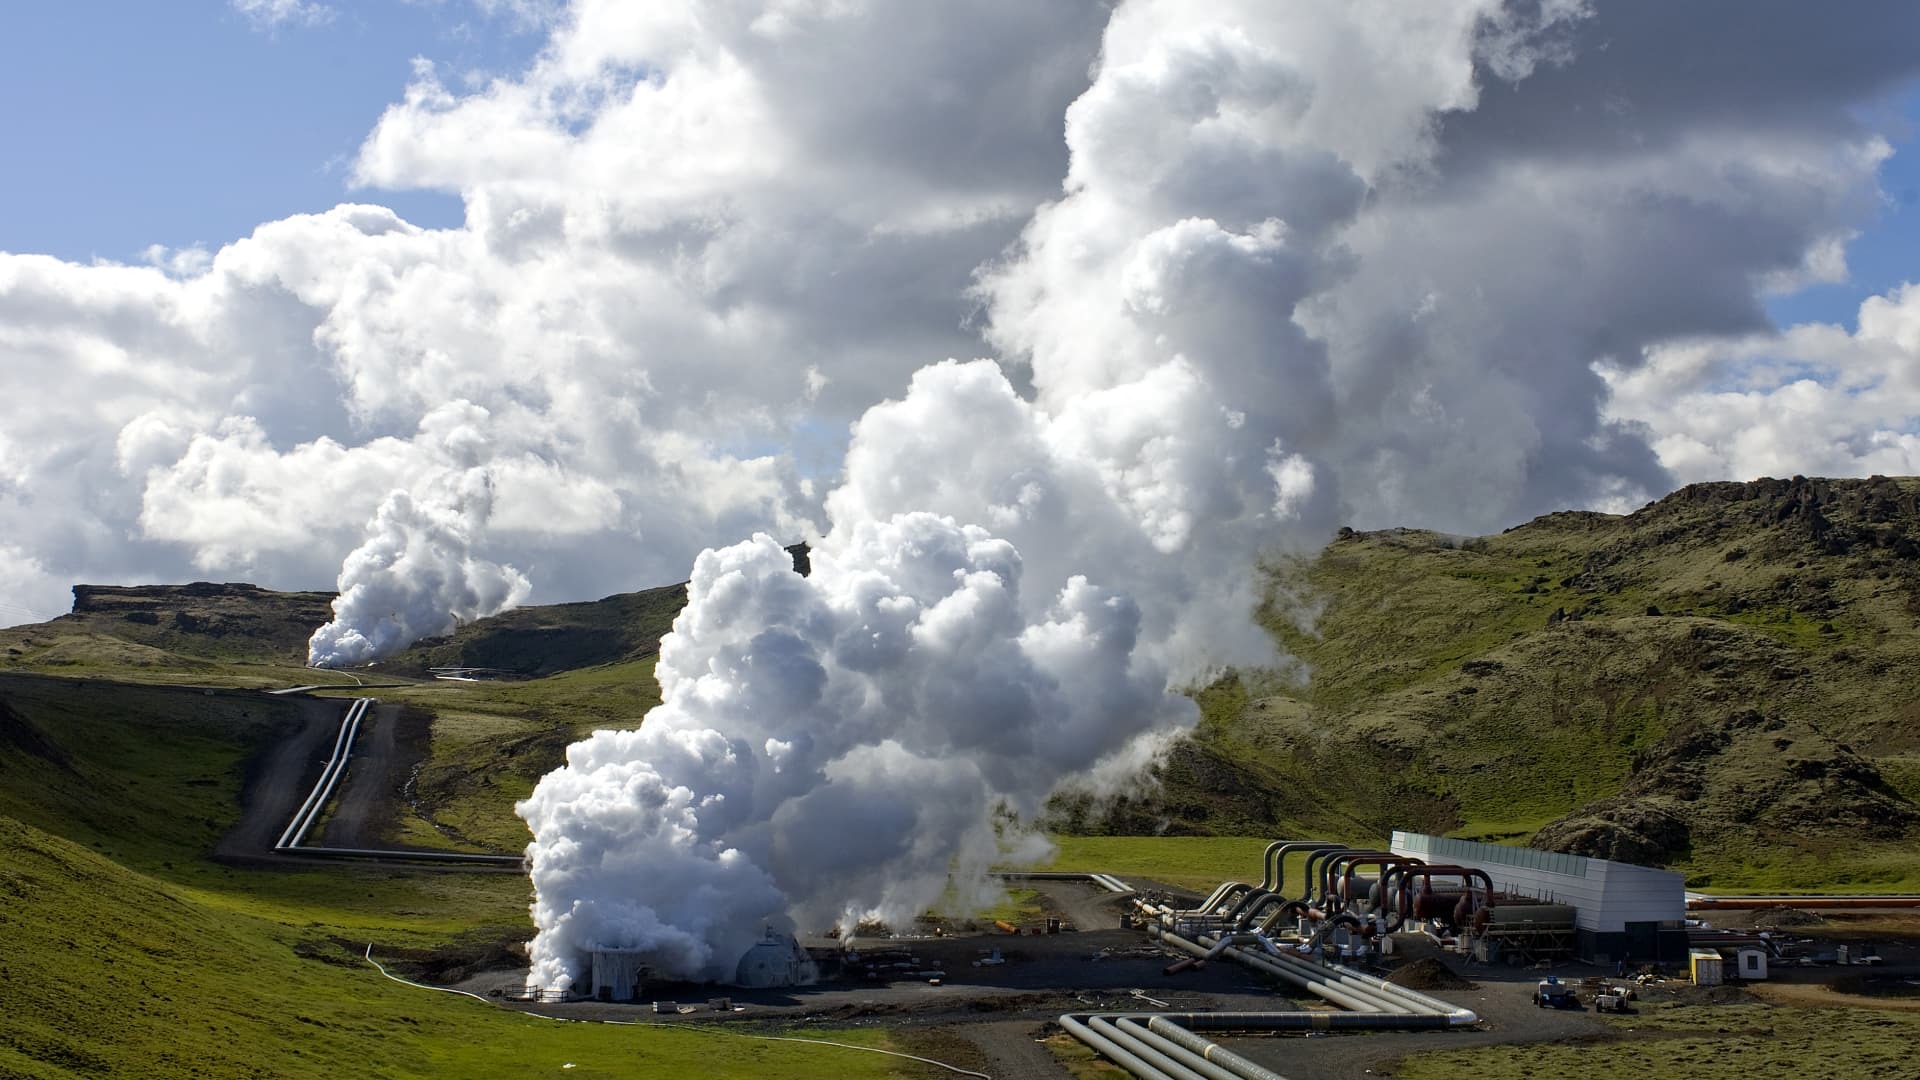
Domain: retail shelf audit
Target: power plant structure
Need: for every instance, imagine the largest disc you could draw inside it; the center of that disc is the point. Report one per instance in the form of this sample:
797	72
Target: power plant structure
1312	918
1345	905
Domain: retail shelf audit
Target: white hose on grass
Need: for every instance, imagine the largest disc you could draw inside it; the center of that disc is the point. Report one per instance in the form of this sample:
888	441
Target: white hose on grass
679	1027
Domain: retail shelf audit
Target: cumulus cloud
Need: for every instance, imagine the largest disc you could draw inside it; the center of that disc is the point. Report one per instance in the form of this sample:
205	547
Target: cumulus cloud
694	250
1386	251
1816	400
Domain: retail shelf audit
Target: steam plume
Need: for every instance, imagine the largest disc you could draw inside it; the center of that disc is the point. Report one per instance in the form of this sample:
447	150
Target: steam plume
830	747
416	575
1010	587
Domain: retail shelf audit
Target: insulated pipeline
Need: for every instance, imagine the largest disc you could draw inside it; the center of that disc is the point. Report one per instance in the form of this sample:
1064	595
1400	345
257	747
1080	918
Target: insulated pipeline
1140	1048
1209	1050
330	774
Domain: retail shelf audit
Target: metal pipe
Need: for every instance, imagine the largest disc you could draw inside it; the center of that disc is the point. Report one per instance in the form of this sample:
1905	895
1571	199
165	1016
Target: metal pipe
1136	1029
1315	987
1359	998
1274	871
1209	1050
1215	900
1428	871
516	862
1170	1048
1269	900
1288	909
1306	1021
1314	861
1331	865
1104	881
1113	1051
1383	995
1275	860
326	770
1308	980
1355	991
1166	1065
330	774
1385	863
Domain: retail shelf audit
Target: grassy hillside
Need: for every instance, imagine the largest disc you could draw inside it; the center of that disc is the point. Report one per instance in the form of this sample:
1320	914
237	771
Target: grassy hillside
547	640
491	741
538	641
1727	679
108	972
127	952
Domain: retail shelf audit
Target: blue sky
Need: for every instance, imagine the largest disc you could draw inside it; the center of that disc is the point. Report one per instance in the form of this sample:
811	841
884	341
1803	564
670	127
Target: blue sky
130	122
1887	251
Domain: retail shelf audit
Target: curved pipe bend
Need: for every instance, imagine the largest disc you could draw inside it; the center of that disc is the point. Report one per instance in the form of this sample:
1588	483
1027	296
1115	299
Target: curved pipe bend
1275	862
1331	868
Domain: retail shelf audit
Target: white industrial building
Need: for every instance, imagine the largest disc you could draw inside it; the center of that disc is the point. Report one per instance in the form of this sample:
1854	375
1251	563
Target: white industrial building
1623	911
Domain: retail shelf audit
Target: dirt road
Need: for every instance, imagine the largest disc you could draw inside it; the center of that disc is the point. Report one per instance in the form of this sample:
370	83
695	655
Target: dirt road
364	804
279	779
370	791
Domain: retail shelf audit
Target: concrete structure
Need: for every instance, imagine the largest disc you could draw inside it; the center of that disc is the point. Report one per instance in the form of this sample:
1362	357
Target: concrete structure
1624	912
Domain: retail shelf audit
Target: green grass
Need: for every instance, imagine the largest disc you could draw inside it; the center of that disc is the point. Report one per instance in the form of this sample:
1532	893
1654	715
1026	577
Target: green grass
1020	905
1827	868
1703	1042
1193	862
145	775
492	741
127	953
108	972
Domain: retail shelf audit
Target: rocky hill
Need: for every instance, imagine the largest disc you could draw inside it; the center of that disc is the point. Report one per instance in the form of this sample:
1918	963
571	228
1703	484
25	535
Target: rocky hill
143	626
1728	678
531	642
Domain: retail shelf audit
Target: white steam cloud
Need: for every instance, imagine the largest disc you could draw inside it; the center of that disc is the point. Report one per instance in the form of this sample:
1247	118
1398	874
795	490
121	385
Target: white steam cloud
831	748
416	574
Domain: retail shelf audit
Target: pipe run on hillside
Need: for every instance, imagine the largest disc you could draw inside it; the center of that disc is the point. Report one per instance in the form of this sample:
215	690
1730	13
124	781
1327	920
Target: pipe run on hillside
335	767
516	863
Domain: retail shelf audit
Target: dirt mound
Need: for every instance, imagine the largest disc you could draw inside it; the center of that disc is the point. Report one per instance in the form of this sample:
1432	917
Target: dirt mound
1429	974
1781	916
